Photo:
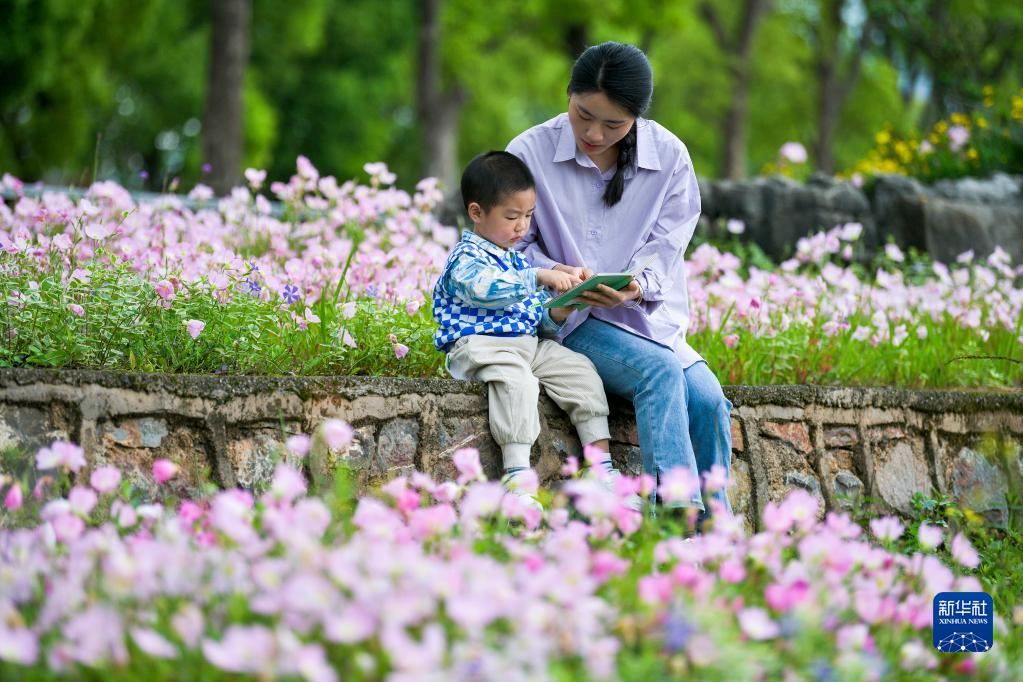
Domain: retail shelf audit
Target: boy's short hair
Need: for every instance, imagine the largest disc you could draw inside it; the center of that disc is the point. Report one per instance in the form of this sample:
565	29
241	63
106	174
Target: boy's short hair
492	176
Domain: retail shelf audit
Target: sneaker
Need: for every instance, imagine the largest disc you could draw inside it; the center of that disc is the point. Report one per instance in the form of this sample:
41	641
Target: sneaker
527	498
633	501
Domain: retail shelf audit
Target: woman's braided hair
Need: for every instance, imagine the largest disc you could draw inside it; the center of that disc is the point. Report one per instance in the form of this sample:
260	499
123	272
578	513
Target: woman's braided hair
622	72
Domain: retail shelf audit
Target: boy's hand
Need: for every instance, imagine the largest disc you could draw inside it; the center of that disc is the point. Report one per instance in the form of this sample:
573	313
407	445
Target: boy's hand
559	281
582	273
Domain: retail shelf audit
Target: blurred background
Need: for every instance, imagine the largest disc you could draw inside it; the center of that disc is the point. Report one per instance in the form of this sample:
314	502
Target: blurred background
157	94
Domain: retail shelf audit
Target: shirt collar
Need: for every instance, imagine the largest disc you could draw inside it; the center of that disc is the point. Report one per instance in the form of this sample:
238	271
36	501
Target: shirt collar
485	244
646	149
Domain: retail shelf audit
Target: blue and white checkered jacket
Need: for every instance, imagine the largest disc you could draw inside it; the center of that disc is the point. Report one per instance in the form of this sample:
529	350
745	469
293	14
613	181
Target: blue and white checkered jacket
485	289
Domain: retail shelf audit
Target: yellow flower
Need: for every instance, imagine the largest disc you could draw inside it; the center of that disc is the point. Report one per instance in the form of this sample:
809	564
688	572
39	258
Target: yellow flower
981	122
934	138
971	154
940	127
988	91
883	137
960	119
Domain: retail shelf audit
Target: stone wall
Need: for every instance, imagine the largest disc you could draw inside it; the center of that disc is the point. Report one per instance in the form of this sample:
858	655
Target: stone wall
833	442
944	219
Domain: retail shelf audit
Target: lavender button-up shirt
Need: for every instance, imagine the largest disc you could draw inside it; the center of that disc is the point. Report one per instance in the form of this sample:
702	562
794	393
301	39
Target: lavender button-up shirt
656	216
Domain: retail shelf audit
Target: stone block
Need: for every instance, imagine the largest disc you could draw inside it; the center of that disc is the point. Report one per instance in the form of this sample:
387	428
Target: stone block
465	432
977	483
838	477
841	436
134	444
795	434
29	428
899	470
397	443
738	441
740	494
777	470
143	432
253	457
627	459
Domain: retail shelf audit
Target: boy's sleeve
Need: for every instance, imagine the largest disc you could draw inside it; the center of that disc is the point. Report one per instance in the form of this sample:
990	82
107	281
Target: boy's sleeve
547	323
482	284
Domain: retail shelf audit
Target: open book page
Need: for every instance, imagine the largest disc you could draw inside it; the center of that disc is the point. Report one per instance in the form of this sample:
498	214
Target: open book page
615	280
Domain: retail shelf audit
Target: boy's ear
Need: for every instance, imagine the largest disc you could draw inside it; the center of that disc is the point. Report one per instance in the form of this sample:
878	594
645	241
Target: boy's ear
475	212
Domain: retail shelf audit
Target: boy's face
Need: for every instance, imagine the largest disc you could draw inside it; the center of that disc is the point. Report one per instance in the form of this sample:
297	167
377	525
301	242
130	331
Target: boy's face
507	221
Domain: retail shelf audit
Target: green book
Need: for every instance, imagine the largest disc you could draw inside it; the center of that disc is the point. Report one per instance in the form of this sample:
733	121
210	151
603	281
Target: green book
615	280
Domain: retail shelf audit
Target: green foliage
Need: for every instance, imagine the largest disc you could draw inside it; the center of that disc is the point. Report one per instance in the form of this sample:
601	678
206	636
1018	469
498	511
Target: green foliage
124	326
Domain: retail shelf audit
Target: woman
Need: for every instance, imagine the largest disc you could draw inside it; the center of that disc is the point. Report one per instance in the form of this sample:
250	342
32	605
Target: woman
614	189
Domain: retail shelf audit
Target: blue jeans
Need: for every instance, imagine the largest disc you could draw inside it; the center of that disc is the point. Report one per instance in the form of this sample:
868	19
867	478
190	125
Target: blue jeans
681	414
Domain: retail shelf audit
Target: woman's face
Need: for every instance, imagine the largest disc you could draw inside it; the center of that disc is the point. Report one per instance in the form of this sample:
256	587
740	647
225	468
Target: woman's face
597	123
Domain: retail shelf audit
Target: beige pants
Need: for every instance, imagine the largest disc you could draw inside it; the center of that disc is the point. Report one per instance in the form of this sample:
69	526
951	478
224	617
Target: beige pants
514	367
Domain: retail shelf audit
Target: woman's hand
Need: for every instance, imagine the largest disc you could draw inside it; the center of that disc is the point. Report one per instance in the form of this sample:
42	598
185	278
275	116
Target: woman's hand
603	296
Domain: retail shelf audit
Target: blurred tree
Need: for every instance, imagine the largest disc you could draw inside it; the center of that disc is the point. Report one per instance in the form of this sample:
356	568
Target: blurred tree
955	46
840	36
86	83
229	55
737	45
438	104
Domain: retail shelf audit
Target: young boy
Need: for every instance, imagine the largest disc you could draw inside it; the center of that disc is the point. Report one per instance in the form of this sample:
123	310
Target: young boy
488	303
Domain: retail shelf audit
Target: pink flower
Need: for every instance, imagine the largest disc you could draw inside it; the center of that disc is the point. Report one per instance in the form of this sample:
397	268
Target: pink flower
165	290
298	444
412	307
400	350
287	483
731	340
894	252
61	453
105	479
152	643
756	624
793	152
429	521
67	527
887	528
19	645
957	137
349	309
82	275
255	178
76	309
963	552
735	226
189	511
679	485
732	571
467	462
195	327
337	433
164	470
570	467
82	500
929	536
13	499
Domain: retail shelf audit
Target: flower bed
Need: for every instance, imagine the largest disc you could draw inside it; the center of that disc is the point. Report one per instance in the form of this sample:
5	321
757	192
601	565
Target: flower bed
432	580
340	284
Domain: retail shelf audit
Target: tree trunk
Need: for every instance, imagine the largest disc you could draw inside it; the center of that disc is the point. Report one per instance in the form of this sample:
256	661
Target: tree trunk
223	139
438	110
836	78
738	47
